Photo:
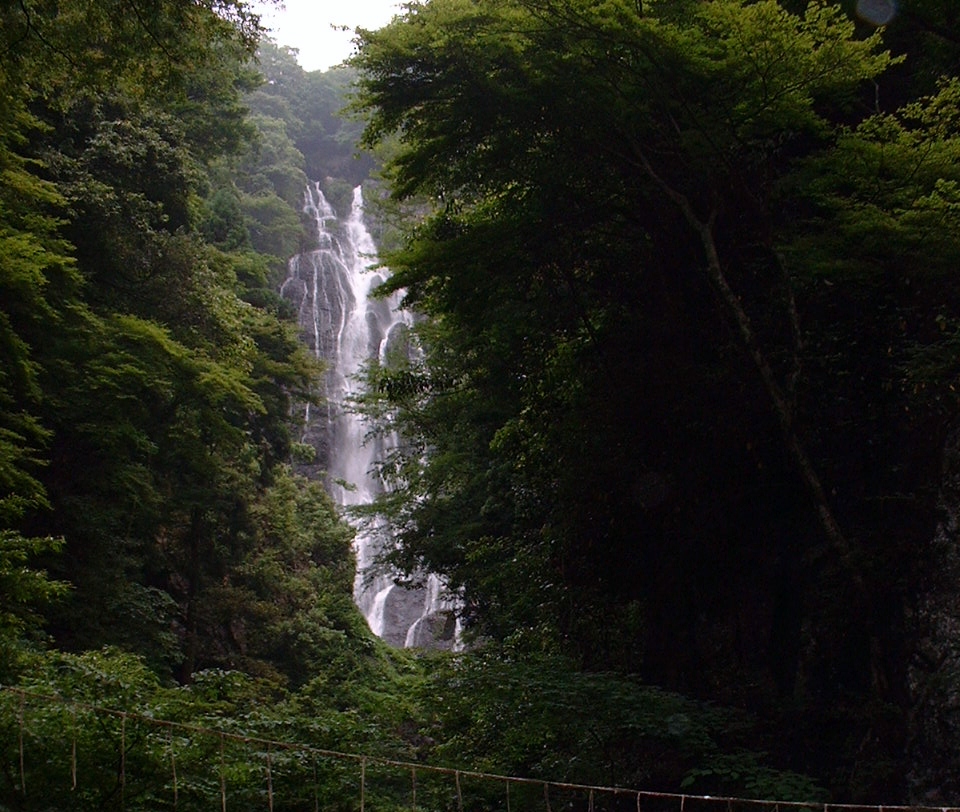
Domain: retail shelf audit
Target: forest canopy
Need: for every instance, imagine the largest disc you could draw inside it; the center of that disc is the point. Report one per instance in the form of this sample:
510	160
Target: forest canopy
689	361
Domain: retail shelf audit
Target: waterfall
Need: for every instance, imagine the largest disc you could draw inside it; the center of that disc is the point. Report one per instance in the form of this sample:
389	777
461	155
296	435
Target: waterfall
331	286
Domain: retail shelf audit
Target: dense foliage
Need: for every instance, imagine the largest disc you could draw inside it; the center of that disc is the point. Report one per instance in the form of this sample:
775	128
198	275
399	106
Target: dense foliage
149	366
688	270
159	556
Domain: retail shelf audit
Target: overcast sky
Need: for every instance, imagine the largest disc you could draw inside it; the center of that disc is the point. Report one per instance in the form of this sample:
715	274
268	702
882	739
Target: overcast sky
308	26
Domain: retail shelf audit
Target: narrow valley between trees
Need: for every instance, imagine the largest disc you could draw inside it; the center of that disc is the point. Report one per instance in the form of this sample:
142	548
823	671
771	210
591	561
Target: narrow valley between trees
643	467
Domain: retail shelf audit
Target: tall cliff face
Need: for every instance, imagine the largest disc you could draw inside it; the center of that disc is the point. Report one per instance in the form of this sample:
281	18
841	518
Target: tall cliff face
331	288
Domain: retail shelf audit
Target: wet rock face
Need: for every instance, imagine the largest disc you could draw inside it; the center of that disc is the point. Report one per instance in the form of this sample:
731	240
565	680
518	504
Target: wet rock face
435	630
330	287
401	610
410	621
933	750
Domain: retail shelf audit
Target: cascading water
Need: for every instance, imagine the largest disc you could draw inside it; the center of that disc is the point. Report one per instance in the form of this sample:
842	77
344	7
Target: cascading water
330	286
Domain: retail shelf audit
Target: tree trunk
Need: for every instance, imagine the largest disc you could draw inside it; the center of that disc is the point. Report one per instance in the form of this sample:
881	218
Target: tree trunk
781	404
192	647
933	747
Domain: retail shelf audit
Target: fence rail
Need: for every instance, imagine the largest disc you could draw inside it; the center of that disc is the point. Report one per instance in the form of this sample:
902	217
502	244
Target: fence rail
79	753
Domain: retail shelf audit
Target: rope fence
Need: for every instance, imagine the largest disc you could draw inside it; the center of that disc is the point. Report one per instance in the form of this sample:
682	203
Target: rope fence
136	761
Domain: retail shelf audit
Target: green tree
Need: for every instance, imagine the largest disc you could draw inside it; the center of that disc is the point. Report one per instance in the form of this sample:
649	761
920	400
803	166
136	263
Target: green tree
644	414
312	105
145	406
684	128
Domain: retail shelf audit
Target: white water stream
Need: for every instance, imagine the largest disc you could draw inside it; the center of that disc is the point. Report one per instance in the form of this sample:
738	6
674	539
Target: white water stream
339	320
